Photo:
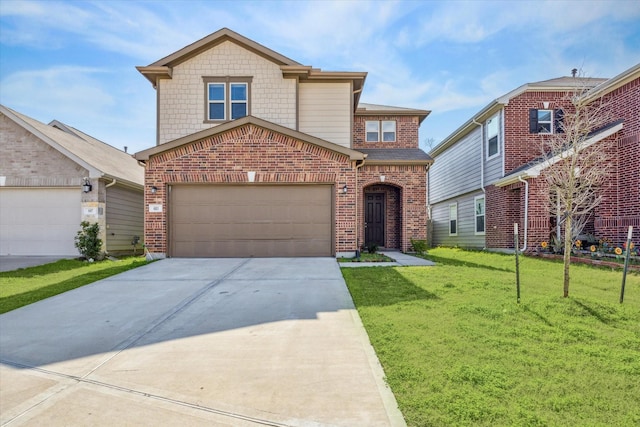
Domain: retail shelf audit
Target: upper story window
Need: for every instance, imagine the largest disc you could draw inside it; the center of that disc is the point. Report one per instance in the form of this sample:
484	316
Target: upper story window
546	121
227	98
492	131
380	131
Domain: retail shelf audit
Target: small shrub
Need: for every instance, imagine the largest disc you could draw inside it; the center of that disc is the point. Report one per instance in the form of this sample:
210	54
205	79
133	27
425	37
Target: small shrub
87	241
419	246
372	248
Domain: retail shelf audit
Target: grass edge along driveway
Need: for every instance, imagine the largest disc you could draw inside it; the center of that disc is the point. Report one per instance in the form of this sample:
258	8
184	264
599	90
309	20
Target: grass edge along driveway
458	350
28	285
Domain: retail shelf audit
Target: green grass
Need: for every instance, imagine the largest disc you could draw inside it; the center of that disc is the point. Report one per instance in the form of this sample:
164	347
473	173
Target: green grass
367	257
28	285
459	351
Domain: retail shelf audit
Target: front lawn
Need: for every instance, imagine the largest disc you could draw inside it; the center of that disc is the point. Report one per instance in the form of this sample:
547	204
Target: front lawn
367	257
458	350
28	285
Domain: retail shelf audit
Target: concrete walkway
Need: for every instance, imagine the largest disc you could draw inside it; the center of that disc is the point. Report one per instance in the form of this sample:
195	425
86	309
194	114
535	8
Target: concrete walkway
401	260
211	342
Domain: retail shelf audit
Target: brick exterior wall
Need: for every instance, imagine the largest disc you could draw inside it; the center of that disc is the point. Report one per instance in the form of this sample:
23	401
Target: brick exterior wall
407	183
27	161
228	156
621	200
181	99
620	206
520	146
503	208
406	132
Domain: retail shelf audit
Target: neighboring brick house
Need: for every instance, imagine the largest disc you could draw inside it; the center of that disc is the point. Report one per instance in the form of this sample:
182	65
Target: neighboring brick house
258	155
489	174
44	172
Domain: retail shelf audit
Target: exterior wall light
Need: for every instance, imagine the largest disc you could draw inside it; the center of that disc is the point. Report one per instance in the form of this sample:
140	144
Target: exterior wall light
345	189
86	187
154	189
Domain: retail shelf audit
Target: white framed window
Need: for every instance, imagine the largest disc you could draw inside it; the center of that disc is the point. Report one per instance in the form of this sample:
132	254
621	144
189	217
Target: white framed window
372	129
546	121
492	131
226	98
389	131
478	202
380	131
453	219
239	100
216	101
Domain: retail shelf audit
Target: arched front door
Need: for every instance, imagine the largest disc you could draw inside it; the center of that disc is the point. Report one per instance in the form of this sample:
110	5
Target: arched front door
374	219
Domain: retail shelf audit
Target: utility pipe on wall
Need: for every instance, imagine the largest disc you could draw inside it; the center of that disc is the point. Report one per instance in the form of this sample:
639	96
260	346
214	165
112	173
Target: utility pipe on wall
358	166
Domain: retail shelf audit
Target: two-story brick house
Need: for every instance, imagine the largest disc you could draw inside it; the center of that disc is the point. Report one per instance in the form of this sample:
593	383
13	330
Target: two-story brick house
489	174
259	155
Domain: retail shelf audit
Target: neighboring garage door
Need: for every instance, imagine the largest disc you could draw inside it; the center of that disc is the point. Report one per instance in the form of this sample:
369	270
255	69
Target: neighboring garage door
39	221
251	220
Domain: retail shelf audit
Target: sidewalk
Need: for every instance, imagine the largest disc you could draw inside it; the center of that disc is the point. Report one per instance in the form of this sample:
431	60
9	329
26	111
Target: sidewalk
401	260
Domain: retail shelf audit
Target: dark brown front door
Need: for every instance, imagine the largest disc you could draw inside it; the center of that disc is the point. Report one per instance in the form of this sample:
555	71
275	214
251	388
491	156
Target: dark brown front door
374	219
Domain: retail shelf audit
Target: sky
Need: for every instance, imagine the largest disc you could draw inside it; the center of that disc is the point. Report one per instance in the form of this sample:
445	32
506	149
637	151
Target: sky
74	61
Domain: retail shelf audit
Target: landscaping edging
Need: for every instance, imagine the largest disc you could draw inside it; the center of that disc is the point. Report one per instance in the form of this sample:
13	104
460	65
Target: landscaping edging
589	261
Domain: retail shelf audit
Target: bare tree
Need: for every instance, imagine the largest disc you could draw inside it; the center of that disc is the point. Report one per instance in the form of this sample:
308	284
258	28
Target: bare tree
576	167
429	144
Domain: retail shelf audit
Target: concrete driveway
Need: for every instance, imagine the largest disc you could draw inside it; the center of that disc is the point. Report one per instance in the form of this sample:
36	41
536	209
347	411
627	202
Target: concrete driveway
223	342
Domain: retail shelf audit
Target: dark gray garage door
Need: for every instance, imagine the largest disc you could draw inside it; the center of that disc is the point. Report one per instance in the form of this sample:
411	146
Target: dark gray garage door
250	220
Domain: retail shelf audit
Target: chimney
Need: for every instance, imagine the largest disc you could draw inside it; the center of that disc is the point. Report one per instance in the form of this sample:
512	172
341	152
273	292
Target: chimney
574	72
125	148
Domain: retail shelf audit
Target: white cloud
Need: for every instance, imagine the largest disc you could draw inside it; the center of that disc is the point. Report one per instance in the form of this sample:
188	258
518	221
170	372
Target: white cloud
60	87
106	104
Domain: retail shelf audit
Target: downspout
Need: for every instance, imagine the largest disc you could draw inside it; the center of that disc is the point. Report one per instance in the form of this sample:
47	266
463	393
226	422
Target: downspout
111	184
481	153
358	166
482	179
526	211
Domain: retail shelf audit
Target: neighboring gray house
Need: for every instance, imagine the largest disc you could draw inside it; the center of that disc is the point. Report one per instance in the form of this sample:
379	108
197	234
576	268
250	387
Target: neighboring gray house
52	177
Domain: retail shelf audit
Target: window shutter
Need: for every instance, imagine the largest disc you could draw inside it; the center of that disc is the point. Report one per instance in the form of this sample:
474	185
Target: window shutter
558	121
533	120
